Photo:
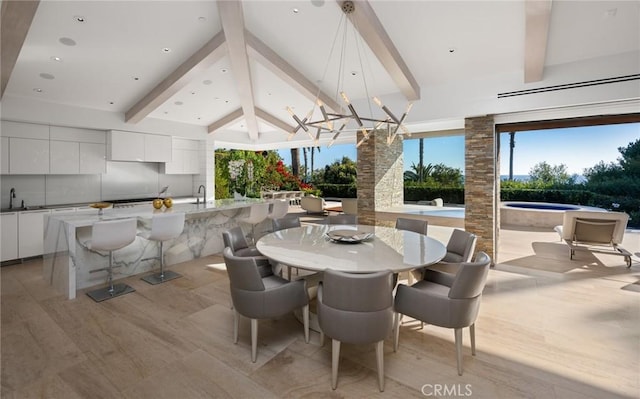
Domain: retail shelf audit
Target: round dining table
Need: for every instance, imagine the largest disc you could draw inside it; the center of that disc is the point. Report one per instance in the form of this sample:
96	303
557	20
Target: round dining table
353	248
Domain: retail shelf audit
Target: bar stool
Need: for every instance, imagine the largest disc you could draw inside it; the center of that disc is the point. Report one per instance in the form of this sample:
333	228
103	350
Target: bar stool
109	236
164	226
257	214
279	209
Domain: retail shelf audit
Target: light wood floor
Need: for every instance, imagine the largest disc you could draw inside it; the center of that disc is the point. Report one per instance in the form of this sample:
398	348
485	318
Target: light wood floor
548	328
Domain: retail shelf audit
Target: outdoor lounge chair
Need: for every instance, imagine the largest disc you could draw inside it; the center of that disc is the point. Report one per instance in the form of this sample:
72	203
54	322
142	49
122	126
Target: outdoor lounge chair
600	232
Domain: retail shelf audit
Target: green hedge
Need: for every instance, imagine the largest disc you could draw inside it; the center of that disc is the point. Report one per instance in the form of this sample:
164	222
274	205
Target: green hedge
337	190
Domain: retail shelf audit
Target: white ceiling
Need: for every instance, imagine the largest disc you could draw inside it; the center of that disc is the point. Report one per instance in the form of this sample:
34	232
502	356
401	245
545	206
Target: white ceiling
118	58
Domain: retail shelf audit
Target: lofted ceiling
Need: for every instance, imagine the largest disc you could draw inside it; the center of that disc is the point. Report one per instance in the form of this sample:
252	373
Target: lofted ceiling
233	67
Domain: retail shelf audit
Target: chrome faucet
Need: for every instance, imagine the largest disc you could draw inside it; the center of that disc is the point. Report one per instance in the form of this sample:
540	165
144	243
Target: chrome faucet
204	196
12	195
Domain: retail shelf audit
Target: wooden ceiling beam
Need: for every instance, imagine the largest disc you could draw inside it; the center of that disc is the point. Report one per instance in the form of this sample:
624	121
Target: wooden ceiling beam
225	120
273	121
281	68
366	22
17	17
537	20
200	61
233	26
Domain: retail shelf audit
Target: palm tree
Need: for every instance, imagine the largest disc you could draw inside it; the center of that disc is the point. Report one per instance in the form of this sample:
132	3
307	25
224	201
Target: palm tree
295	162
421	160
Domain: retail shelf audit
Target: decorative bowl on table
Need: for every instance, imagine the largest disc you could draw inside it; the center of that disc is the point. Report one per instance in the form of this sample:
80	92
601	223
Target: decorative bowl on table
100	206
349	236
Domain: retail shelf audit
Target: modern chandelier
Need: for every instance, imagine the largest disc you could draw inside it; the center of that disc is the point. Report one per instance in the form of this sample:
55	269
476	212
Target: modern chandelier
336	121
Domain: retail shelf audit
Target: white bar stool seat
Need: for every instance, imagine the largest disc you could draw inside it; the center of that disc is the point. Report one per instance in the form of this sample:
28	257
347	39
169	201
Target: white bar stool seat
257	214
110	236
279	209
164	227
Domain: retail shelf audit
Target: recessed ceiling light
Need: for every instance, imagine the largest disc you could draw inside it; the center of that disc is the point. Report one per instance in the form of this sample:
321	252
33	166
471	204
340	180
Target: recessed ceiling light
206	82
79	18
67	41
223	70
38	90
202	19
354	73
611	12
111	102
47	76
166	112
193	92
136	78
166	50
317	3
56	59
295	10
452	50
178	103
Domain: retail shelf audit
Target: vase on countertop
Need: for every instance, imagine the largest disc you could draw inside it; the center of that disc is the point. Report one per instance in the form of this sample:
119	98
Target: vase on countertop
238	197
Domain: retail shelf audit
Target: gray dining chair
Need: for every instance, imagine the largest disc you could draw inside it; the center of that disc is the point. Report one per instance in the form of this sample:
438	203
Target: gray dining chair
342	218
445	300
262	297
235	240
286	223
460	248
355	309
415	225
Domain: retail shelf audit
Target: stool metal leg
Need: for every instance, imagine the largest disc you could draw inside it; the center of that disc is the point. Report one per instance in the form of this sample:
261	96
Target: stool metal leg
111	291
163	275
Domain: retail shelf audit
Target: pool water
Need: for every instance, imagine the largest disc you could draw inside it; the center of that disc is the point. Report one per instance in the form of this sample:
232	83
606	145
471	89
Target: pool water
548	207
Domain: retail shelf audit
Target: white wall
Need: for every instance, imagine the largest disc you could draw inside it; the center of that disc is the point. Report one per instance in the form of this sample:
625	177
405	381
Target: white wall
123	180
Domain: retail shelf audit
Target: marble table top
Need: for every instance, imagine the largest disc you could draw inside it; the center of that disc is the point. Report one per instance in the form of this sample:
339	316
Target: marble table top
309	247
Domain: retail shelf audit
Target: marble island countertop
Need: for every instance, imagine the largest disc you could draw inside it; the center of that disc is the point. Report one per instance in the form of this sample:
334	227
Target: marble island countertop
146	211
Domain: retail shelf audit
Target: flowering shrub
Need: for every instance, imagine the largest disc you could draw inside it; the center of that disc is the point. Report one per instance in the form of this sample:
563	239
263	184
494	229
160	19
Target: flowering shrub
279	176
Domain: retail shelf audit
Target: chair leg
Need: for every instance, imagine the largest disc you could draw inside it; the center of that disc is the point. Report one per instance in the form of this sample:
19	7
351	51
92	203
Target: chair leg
254	340
335	359
472	334
305	319
380	363
458	339
321	339
235	327
112	290
396	330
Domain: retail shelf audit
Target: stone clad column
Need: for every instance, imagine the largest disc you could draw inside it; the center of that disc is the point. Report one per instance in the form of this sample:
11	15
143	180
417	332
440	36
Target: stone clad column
480	188
380	176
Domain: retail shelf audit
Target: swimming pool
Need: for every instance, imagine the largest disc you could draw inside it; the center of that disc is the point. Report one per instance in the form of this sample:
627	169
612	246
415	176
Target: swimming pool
537	214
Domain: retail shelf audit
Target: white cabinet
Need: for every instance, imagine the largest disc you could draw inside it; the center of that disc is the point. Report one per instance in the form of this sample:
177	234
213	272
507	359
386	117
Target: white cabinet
93	158
31	233
4	156
24	130
28	156
157	148
9	238
125	146
185	158
139	147
64	157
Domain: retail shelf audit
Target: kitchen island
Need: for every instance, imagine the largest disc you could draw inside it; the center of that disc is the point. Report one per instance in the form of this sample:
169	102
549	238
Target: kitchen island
67	261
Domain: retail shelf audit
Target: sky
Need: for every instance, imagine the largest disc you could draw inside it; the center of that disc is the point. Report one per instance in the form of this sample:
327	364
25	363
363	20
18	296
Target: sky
577	148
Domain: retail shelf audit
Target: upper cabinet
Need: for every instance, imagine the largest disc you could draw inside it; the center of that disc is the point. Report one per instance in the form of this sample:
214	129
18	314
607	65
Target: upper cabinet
184	159
28	156
138	147
29	148
4	156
